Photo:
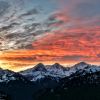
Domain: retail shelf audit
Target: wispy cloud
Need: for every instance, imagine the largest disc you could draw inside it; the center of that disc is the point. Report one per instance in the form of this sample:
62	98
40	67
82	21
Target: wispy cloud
70	32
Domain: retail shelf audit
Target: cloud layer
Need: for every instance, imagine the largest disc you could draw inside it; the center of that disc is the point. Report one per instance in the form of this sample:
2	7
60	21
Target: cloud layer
54	31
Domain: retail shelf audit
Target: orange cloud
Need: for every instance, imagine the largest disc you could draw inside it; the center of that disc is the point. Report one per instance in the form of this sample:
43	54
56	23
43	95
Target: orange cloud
77	40
64	46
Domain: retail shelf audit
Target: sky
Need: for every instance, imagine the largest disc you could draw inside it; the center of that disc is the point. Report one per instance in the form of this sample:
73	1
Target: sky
48	31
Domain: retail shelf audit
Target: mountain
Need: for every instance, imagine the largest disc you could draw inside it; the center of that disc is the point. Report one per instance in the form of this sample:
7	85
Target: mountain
81	65
35	73
58	71
74	87
14	85
8	76
10	83
83	82
56	68
80	81
87	68
41	71
40	67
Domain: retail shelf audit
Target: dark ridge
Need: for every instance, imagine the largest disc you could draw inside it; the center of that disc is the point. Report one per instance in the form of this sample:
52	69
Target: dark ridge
40	67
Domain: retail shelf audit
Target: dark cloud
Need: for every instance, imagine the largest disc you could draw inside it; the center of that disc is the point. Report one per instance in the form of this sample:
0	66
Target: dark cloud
8	27
75	57
98	55
33	11
57	19
17	30
20	58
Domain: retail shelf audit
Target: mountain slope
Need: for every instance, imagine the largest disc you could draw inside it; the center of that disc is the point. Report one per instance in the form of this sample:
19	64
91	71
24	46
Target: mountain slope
35	73
4	96
42	71
58	71
74	87
7	76
55	82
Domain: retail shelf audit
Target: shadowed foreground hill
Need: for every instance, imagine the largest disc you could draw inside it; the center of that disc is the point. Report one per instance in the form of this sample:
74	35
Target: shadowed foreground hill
77	88
4	96
78	93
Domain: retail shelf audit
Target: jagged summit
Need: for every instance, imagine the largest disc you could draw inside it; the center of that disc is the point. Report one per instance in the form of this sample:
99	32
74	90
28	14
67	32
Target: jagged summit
81	65
40	67
56	70
57	66
40	64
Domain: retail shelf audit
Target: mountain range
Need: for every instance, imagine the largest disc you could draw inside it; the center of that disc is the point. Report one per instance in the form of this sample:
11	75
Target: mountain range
52	82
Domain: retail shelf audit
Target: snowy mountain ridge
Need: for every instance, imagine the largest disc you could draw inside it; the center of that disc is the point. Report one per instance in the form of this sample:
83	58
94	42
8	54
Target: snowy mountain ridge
58	71
41	71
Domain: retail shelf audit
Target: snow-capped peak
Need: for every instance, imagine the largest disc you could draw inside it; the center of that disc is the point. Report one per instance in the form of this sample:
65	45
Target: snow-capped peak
40	67
8	76
56	66
35	73
84	67
57	70
81	65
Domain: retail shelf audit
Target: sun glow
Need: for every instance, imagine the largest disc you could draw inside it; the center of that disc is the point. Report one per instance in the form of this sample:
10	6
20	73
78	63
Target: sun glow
4	65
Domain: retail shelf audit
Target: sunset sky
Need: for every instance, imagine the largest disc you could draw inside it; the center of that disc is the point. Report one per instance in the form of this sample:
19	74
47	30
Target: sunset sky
48	31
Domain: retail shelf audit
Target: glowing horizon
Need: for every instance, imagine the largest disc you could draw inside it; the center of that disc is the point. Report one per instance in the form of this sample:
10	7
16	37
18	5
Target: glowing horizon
63	31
